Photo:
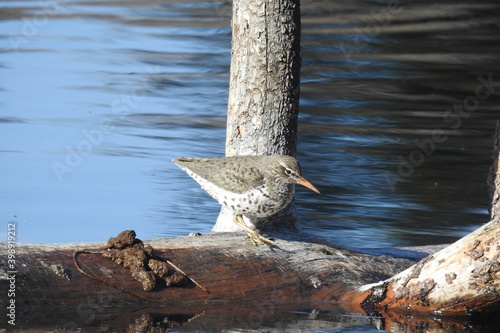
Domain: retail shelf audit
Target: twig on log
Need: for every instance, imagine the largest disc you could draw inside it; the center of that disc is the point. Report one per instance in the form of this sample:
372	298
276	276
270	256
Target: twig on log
104	281
187	276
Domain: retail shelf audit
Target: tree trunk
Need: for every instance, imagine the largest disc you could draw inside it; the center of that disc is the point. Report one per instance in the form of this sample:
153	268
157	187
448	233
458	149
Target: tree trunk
264	89
264	79
494	176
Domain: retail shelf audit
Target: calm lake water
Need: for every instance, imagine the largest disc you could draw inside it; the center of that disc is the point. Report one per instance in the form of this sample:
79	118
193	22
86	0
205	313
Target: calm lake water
399	101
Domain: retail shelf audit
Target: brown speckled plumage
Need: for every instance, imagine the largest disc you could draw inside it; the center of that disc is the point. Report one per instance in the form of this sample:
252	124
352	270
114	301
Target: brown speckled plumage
248	185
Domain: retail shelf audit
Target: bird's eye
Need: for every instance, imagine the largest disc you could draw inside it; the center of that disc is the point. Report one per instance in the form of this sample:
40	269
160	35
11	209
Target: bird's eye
288	171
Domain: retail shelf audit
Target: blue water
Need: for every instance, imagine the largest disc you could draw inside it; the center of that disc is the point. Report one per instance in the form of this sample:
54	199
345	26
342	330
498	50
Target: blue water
98	98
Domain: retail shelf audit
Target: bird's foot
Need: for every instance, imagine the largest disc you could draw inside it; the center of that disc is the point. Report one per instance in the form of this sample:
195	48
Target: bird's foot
257	239
253	235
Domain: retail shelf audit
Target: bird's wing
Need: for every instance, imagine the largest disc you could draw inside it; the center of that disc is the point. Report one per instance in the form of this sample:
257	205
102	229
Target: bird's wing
232	175
239	182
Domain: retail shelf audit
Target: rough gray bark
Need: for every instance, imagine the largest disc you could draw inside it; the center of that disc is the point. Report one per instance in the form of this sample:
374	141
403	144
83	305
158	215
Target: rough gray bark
264	89
494	177
264	78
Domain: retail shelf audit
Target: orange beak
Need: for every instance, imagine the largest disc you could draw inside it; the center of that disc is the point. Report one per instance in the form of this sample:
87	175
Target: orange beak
310	186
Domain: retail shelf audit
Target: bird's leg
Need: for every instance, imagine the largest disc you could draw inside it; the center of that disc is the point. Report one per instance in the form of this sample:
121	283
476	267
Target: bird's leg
252	234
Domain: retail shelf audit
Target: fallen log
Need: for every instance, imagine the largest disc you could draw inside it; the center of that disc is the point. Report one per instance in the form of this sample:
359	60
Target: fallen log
228	275
461	278
74	285
228	267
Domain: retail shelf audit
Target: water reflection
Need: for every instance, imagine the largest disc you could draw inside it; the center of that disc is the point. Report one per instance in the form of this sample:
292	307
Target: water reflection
245	318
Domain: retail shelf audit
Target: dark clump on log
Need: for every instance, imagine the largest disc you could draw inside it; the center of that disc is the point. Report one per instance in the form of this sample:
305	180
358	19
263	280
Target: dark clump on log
124	239
160	268
129	251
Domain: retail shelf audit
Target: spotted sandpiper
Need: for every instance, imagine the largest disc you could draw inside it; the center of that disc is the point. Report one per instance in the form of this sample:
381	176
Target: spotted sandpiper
258	186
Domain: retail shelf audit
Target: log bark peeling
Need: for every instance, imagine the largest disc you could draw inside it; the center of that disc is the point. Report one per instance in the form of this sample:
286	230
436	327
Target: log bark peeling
463	277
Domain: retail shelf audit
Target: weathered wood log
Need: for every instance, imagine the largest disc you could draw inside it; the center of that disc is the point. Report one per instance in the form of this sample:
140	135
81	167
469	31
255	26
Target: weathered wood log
461	278
231	269
242	280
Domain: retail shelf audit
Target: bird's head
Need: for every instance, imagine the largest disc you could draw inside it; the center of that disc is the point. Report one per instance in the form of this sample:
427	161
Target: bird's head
288	169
